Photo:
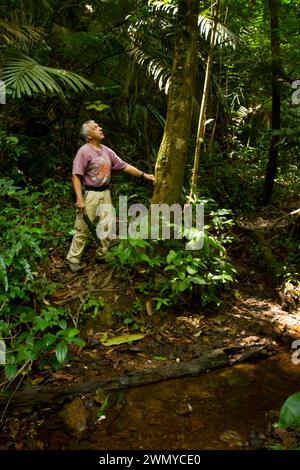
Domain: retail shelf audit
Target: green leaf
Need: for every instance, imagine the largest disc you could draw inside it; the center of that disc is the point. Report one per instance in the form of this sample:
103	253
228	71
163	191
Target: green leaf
122	339
11	371
3	273
78	341
45	342
170	267
98	106
198	280
171	256
191	270
290	412
61	351
71	332
42	324
160	358
103	407
24	76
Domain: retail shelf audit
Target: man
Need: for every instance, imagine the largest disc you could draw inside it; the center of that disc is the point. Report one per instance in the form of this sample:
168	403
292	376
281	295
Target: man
92	169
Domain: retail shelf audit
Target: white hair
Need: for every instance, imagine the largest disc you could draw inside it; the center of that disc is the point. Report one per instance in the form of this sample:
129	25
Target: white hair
85	129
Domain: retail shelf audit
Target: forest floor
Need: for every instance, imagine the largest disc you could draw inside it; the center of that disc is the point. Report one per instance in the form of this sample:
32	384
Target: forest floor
251	326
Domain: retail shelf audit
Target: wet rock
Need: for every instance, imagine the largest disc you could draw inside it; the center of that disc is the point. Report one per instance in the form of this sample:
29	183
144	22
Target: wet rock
184	409
232	438
75	416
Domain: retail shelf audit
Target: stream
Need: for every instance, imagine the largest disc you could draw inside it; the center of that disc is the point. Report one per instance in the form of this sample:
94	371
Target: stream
229	408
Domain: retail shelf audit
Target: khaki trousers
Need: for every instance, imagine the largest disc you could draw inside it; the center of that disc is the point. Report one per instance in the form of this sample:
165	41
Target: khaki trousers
93	202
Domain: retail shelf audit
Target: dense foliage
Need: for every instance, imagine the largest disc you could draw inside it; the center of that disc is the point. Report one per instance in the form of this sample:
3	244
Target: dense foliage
112	62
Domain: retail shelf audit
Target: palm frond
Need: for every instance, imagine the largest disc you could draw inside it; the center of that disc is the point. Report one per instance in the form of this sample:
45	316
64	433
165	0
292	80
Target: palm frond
224	36
24	76
155	68
13	33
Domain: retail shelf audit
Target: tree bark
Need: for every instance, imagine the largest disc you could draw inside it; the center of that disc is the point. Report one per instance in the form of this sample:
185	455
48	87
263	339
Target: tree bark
170	165
276	67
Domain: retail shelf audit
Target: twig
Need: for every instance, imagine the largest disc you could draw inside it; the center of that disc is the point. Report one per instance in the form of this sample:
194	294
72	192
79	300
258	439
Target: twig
14	392
74	297
297	211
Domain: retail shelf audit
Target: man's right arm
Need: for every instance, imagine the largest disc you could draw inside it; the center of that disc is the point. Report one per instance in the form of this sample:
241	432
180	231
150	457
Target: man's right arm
76	180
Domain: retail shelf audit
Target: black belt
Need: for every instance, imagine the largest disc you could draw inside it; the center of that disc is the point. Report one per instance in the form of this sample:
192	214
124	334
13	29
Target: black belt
97	188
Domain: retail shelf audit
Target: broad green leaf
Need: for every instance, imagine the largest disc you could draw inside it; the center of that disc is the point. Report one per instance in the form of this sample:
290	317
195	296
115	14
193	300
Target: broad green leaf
71	332
11	371
42	324
198	280
290	412
78	342
61	351
191	270
123	339
45	342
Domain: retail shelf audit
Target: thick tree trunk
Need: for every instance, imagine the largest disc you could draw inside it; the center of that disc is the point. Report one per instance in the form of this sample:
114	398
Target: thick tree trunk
170	165
276	67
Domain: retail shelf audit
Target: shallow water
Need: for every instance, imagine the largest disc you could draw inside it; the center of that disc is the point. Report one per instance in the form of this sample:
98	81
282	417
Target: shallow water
228	408
217	410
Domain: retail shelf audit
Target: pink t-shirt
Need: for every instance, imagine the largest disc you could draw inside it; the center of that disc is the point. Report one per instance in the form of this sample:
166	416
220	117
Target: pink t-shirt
95	166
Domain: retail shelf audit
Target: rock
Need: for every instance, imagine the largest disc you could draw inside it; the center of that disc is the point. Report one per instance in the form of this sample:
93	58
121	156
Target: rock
75	416
232	438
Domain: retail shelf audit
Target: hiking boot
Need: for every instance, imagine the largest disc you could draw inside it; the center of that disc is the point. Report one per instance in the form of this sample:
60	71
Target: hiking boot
76	267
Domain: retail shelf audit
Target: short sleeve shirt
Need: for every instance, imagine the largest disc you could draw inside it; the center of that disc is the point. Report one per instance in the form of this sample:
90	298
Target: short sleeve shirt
95	166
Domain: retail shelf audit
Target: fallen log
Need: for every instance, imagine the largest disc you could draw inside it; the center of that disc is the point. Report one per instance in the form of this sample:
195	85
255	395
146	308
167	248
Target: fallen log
37	395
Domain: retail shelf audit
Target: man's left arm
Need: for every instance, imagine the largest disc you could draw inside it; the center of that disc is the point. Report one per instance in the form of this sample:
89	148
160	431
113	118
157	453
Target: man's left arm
132	170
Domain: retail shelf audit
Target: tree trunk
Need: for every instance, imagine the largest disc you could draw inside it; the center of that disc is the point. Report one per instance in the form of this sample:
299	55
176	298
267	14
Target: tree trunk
170	165
276	67
202	116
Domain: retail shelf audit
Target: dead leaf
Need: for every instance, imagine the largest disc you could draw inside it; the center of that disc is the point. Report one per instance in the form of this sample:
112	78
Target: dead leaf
232	437
149	309
61	294
220	319
62	375
37	380
40	444
19	445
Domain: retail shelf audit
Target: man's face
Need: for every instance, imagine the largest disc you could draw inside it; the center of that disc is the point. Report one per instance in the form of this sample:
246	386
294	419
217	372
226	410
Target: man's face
95	131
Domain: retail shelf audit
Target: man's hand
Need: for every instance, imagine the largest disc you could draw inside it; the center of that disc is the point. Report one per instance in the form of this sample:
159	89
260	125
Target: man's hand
149	177
80	205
